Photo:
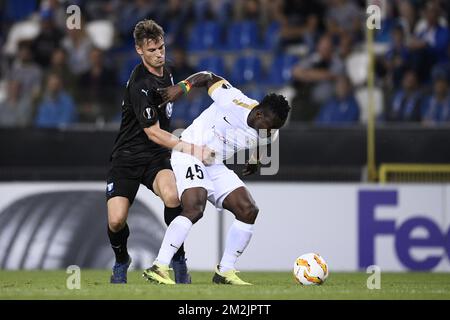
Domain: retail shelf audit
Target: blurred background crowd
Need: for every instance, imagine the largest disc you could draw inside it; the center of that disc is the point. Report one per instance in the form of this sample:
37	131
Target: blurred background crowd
314	52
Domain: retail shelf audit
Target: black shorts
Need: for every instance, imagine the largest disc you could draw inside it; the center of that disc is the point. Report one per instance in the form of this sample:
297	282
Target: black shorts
124	181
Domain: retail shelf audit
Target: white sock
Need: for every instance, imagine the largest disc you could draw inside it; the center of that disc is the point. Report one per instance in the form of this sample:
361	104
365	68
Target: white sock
175	235
238	238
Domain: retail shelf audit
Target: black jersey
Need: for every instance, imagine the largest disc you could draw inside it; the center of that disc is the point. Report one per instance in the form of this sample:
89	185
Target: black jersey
140	110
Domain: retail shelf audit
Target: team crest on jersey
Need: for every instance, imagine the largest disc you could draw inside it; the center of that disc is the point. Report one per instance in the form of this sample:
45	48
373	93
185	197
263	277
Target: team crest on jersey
149	113
169	109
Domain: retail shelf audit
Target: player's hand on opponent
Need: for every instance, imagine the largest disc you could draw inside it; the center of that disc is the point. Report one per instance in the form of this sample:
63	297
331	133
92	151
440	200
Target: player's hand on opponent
208	156
250	168
203	153
169	94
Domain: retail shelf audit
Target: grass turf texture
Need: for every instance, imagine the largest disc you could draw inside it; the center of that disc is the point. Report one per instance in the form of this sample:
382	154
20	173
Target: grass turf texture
267	285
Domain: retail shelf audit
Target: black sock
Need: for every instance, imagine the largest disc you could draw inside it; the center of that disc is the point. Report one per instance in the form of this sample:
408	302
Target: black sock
169	215
119	243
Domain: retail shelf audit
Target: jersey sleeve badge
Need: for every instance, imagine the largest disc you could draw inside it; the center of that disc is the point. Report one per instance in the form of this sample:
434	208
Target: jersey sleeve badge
149	113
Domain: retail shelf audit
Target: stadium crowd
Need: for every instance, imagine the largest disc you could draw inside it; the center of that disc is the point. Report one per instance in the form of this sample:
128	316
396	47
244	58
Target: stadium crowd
314	52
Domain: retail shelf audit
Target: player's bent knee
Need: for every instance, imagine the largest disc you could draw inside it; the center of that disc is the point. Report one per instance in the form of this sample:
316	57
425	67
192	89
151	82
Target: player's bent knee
194	212
117	220
117	213
194	216
248	213
170	198
116	224
194	203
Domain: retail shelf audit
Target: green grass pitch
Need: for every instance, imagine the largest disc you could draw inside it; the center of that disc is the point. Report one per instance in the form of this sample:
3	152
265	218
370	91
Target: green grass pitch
267	286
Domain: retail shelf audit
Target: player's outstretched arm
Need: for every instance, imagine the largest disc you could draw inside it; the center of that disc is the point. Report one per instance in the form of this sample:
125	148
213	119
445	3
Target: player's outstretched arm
198	80
170	141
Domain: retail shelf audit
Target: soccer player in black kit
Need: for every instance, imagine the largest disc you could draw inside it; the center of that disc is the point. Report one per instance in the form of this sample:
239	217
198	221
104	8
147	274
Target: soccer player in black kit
142	149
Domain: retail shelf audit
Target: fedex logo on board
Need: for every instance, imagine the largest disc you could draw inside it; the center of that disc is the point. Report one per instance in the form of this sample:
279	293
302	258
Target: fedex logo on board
370	228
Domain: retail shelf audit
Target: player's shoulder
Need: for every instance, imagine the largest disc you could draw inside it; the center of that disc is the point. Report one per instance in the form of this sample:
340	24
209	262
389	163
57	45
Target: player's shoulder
220	86
224	92
142	79
137	77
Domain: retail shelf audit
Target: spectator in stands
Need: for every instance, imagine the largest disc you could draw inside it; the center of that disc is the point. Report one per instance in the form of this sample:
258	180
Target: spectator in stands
181	69
130	12
58	11
48	39
26	72
56	107
252	10
174	18
406	103
436	108
429	44
344	17
78	46
98	88
314	79
218	10
388	22
342	108
432	30
16	110
397	58
59	65
248	10
299	21
102	9
345	46
443	66
407	18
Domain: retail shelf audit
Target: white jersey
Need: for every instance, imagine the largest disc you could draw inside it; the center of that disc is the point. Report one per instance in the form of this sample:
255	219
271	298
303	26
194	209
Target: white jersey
223	125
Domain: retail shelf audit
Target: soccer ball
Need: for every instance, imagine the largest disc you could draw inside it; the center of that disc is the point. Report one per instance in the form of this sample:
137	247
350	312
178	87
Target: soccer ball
310	269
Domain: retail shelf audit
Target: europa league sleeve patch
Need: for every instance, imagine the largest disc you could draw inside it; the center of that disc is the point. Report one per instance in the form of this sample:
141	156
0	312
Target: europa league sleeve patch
150	116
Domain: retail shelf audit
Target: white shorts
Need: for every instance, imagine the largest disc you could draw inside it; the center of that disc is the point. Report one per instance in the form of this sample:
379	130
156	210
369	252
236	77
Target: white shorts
217	179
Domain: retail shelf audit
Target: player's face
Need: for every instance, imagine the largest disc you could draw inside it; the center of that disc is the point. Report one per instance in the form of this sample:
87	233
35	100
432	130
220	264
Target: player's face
267	121
152	52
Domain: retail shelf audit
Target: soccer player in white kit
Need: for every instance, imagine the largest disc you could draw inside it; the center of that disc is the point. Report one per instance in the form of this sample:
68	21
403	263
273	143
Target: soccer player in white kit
231	123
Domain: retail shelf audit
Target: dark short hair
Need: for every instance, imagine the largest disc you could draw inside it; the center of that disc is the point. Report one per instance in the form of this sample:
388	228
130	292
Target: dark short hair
277	104
147	29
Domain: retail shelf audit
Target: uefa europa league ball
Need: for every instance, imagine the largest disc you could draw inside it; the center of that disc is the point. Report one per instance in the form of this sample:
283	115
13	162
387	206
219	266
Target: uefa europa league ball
310	269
